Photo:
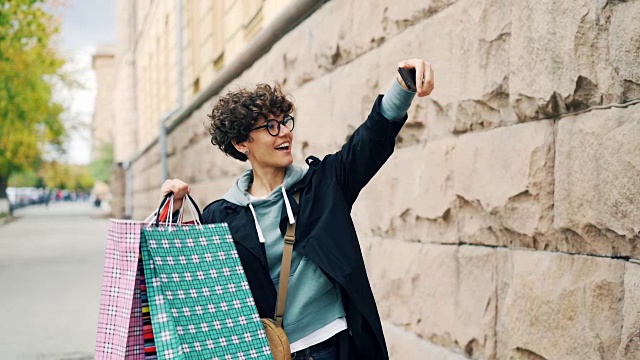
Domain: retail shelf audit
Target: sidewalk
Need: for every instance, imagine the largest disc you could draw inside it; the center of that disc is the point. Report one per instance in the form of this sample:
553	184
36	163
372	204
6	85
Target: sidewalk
51	262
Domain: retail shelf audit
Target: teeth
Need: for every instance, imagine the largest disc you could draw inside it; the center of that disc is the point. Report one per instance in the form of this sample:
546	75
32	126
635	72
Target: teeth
281	146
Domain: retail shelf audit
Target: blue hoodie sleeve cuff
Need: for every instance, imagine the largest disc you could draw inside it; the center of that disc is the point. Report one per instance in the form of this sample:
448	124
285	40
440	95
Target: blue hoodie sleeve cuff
396	102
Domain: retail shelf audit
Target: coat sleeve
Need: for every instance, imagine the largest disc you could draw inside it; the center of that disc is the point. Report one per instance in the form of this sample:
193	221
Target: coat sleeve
364	153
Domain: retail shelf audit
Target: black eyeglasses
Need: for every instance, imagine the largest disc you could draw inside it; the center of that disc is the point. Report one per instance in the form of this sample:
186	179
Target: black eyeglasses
273	125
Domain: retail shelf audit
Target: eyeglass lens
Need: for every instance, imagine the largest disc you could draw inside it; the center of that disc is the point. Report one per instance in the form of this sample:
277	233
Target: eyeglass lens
273	126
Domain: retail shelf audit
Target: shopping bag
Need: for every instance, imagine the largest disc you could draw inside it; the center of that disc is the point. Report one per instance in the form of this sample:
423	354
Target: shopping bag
200	301
119	334
123	332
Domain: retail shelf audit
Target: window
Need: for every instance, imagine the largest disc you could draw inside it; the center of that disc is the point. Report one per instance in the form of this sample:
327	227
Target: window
252	10
196	86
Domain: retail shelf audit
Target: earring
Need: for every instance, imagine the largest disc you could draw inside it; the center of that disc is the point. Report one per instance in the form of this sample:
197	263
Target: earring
246	152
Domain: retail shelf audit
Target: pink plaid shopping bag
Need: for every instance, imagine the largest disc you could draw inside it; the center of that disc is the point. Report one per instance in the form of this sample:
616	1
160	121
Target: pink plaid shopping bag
120	321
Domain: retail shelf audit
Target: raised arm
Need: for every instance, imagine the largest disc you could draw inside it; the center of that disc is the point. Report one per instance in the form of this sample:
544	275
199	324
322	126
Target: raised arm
373	142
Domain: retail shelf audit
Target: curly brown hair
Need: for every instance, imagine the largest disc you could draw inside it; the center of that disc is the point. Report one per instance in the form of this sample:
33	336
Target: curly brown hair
237	112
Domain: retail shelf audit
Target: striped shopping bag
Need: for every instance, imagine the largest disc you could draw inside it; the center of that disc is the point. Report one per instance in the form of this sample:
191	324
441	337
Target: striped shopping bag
200	301
147	330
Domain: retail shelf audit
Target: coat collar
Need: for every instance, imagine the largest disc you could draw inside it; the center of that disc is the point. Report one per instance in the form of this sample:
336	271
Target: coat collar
243	230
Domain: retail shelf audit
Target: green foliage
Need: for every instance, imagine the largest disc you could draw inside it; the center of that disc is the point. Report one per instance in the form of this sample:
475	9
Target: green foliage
84	180
101	166
65	176
26	178
30	118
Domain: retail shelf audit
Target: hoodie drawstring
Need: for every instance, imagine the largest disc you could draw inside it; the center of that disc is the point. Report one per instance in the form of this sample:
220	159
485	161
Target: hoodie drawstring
292	220
258	229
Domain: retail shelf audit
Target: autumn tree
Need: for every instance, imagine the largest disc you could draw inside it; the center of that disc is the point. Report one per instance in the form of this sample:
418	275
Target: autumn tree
30	116
66	176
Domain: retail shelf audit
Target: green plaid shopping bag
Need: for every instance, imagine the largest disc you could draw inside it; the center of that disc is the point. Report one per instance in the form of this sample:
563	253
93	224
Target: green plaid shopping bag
200	301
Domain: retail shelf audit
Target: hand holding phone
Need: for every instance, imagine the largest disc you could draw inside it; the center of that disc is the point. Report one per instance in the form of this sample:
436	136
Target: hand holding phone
417	76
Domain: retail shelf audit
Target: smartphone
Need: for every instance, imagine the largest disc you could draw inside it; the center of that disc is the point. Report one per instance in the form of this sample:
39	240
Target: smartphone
409	77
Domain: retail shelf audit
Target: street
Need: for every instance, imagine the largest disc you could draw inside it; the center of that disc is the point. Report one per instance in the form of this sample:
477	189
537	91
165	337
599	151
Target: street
51	262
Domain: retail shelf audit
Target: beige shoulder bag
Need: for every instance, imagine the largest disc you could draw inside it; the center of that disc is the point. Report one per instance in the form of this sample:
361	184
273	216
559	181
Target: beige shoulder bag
276	336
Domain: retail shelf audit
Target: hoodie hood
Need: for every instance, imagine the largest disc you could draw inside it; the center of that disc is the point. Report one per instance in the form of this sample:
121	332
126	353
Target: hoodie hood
267	208
238	194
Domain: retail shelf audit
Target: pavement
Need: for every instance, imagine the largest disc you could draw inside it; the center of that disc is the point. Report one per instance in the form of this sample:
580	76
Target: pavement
51	261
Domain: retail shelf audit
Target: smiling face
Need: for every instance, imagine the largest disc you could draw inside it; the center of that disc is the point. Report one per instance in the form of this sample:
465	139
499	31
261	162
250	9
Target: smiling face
236	115
267	151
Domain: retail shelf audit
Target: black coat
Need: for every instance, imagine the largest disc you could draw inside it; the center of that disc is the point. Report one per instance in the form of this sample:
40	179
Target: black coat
325	233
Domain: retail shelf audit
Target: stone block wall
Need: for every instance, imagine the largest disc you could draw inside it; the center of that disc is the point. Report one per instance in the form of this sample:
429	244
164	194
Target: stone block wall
505	226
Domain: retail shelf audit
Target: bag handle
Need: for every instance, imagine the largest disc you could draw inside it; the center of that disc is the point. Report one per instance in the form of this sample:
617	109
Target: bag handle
149	220
287	254
195	211
162	214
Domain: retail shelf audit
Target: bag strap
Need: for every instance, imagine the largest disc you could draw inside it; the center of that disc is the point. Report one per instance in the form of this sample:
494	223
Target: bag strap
167	205
287	254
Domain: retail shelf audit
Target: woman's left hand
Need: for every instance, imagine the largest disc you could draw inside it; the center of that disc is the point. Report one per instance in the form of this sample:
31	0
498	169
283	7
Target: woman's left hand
424	75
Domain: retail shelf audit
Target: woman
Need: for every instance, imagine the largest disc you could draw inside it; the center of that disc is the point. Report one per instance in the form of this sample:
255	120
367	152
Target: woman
330	310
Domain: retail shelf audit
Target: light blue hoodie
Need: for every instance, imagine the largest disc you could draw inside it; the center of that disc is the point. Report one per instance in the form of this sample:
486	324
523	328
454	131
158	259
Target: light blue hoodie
313	301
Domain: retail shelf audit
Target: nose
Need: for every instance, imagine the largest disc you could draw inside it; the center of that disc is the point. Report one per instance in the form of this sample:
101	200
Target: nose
284	131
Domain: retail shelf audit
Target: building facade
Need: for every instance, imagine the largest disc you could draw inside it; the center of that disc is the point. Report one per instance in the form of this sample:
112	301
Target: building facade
169	50
103	114
505	226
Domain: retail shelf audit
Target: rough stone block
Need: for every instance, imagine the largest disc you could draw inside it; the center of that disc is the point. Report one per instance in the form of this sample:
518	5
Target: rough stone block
630	344
503	178
316	133
444	294
392	268
542	46
403	344
412	196
624	37
583	55
557	306
596	180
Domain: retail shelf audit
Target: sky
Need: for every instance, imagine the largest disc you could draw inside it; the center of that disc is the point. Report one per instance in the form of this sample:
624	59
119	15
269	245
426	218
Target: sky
85	25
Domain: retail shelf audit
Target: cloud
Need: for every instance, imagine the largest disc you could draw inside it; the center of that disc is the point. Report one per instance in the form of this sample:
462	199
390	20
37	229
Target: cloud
88	23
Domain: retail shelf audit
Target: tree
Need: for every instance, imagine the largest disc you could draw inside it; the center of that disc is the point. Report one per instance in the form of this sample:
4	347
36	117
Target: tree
102	165
26	178
30	118
66	176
